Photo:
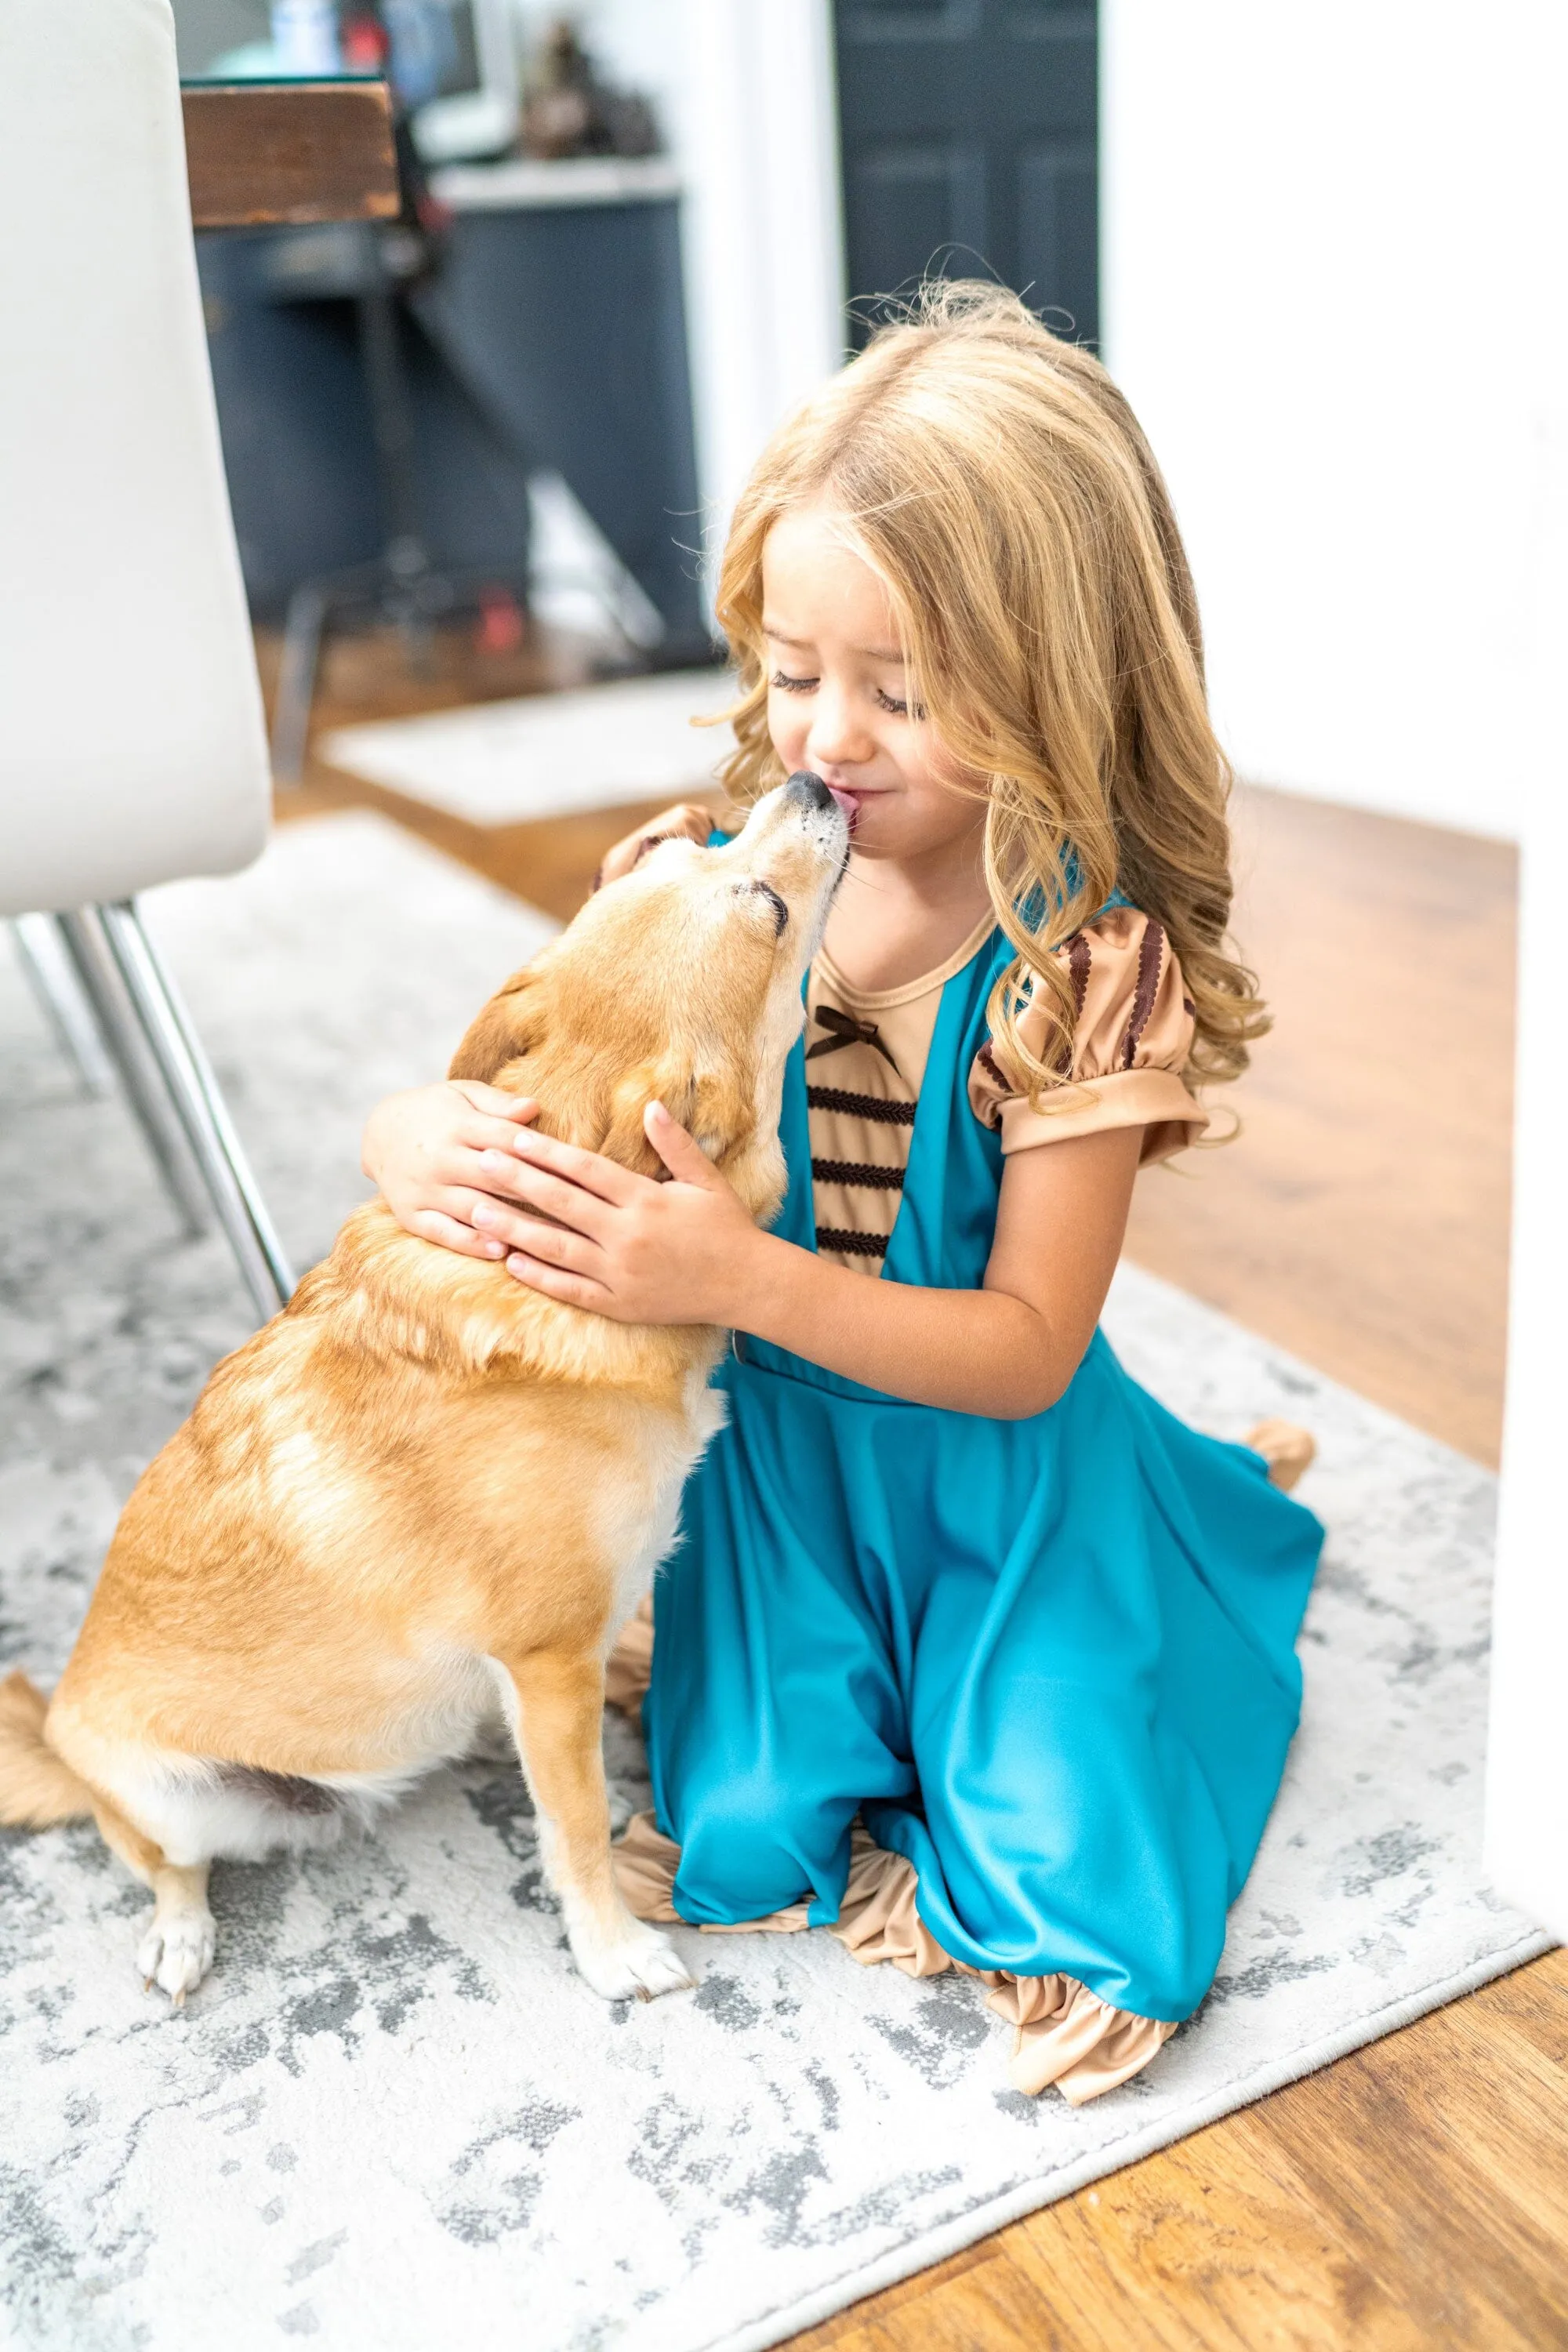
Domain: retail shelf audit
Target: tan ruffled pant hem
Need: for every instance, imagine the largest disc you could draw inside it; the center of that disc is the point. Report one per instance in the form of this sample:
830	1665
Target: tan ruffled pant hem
1065	2033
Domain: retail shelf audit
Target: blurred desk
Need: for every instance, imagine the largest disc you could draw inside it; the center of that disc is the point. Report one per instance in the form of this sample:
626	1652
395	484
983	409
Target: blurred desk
524	185
552	335
560	305
289	150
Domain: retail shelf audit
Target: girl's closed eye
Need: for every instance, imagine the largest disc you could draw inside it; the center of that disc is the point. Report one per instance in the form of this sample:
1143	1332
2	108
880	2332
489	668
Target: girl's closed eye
793	685
904	710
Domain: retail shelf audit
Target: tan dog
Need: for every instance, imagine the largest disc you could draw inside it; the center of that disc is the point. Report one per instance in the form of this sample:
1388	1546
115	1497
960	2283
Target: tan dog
424	1495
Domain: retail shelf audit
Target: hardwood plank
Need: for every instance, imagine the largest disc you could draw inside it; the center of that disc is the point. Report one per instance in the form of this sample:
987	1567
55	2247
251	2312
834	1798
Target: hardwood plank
550	864
1373	2204
292	151
1216	2248
1443	2162
1361	1219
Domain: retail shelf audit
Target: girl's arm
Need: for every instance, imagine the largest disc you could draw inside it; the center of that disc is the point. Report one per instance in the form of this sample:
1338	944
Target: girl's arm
687	1252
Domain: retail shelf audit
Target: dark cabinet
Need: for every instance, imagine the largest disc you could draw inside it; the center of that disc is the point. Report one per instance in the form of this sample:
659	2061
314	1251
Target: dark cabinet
548	338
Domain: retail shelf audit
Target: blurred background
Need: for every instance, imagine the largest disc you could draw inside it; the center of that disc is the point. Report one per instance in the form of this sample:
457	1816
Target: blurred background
501	300
633	233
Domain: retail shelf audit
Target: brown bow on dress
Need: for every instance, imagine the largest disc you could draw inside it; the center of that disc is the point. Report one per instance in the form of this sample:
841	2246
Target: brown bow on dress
845	1030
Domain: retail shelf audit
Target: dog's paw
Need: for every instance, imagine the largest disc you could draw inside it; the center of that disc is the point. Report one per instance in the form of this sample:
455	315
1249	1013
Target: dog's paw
641	1965
177	1953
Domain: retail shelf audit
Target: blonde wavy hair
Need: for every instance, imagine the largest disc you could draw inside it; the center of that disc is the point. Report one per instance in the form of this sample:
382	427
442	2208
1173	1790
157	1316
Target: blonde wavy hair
998	483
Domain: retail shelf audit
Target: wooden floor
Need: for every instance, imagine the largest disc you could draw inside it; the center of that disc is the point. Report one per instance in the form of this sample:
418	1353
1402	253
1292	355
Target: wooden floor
1414	2194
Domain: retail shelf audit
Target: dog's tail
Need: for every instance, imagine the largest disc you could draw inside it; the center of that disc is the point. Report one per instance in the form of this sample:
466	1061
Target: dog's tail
37	1787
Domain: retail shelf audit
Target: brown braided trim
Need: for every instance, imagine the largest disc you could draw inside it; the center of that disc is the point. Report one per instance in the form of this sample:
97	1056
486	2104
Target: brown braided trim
881	1114
1151	957
1080	961
861	1173
848	1244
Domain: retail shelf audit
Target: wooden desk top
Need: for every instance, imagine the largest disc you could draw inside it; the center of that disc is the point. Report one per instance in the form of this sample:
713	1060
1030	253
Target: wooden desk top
289	152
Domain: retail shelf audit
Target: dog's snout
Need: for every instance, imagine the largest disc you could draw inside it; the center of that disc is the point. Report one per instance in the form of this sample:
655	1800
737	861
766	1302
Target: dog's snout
803	786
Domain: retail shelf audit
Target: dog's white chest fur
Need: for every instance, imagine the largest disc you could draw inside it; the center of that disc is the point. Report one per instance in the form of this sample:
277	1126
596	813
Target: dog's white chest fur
638	1524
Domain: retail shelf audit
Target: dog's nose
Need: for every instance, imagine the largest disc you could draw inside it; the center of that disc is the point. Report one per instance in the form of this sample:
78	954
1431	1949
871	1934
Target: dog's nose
803	786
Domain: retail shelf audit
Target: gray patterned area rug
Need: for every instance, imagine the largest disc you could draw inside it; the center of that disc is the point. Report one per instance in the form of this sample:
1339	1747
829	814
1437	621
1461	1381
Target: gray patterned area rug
394	2117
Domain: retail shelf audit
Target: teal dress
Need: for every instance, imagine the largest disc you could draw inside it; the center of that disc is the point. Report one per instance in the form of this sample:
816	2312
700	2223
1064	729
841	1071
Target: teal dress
1051	1662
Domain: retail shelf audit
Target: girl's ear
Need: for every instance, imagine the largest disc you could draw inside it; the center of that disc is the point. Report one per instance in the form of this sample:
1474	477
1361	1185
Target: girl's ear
510	1025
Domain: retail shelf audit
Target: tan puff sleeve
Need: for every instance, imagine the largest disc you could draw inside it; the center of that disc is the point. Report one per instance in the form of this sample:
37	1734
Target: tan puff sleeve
686	821
1132	1037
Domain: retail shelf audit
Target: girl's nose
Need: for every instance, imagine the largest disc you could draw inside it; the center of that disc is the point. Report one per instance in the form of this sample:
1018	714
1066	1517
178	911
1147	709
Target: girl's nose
836	738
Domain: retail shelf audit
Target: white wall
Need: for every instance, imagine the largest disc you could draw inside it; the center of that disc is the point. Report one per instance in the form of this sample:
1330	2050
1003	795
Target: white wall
745	92
1526	1771
1527	1762
1325	293
1336	261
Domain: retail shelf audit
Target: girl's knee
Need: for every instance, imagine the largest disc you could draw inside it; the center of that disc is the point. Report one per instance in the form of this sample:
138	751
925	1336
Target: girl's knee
749	1847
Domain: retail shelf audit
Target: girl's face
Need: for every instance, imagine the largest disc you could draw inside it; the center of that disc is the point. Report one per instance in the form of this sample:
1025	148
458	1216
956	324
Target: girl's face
839	695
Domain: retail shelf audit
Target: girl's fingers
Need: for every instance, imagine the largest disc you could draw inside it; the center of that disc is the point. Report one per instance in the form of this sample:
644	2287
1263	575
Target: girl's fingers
488	1135
586	1211
604	1178
573	1289
495	1102
681	1152
432	1225
551	1245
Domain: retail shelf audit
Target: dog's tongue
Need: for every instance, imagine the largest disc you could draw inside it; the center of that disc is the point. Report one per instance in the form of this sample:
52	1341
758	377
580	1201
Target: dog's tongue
848	802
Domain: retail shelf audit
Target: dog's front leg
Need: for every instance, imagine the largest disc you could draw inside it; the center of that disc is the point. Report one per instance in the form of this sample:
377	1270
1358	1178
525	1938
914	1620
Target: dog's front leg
560	1701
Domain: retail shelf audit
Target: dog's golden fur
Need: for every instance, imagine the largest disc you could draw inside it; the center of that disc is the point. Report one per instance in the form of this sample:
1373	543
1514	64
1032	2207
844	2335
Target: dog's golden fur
425	1496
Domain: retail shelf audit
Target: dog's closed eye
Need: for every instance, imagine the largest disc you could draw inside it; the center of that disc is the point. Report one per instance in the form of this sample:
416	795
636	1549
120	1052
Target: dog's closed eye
781	912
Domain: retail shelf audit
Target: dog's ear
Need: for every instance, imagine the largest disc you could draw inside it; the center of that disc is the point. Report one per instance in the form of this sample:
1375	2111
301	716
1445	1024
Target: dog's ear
625	1138
510	1025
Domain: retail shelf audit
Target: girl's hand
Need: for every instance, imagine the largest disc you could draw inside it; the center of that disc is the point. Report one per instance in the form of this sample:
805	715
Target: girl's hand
424	1152
623	1246
686	821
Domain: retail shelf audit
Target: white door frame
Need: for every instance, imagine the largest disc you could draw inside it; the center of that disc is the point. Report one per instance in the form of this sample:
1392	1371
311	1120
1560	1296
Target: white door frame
763	237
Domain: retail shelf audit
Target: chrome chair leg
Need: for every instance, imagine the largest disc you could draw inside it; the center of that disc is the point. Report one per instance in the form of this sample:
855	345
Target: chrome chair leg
302	630
82	936
194	1093
64	1003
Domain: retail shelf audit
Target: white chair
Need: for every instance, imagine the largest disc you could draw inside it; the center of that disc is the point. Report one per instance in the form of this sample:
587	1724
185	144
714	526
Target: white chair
132	749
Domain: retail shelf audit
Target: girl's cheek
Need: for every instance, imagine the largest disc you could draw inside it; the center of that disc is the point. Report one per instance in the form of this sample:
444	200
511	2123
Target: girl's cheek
786	729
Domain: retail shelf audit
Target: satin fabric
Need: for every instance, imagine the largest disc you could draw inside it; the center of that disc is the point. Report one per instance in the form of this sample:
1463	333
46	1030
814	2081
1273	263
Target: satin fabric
1051	1661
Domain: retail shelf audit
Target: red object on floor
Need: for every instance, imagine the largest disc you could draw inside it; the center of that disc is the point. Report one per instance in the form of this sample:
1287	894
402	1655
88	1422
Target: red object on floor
501	624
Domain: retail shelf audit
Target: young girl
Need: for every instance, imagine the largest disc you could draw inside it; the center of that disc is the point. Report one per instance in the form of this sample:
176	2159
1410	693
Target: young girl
968	1648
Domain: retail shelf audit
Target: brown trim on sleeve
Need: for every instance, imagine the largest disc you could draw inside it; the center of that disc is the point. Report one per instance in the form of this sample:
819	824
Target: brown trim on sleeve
1151	957
1080	956
992	1066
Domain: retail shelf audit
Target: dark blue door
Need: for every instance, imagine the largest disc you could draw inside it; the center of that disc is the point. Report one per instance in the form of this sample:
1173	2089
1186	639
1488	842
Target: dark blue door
969	146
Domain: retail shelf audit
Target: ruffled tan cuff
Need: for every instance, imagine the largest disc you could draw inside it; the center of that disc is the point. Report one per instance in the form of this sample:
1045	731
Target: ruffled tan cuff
1156	1100
646	1862
1066	2034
